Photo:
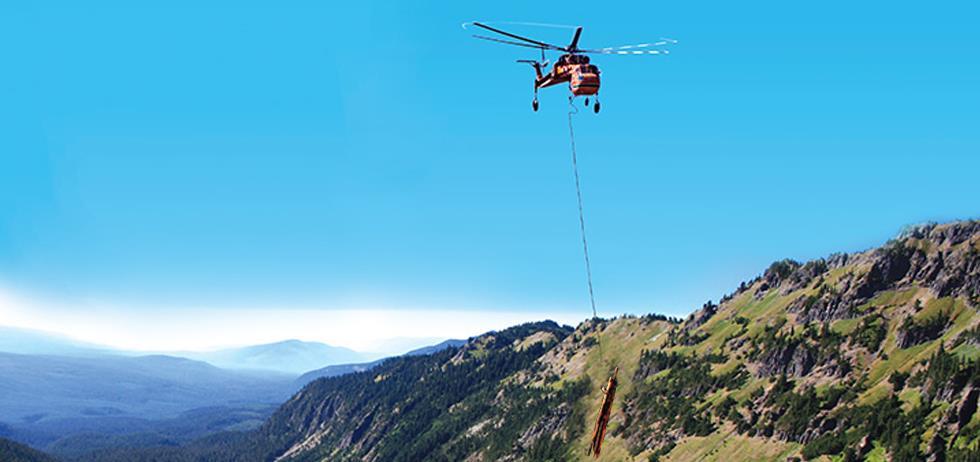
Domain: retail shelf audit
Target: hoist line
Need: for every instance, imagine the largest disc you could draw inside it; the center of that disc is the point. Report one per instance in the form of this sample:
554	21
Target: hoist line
581	218
608	391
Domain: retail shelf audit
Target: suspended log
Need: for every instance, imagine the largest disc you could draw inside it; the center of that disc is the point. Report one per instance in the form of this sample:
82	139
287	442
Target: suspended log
602	421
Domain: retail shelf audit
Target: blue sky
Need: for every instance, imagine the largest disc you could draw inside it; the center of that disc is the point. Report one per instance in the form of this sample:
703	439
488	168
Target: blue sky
371	155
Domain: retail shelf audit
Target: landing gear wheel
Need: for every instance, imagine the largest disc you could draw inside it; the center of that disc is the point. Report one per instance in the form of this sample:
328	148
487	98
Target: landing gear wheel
586	101
534	105
596	107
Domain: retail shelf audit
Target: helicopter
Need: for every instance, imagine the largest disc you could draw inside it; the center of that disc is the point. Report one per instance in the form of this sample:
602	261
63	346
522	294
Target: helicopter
573	66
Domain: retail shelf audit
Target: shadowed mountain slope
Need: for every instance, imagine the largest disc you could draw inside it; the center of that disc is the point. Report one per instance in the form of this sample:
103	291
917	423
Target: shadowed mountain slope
15	452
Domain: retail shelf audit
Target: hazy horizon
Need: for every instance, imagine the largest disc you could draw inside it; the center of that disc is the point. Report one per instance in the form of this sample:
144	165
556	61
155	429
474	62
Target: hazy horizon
383	332
202	329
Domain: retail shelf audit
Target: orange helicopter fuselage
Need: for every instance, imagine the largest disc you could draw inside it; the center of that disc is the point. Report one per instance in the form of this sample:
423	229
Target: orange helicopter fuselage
582	77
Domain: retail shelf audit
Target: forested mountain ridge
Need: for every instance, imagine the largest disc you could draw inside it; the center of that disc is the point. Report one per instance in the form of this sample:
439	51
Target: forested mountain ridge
850	356
862	356
11	451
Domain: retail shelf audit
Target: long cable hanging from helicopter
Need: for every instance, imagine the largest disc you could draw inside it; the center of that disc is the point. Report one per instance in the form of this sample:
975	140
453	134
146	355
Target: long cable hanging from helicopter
574	67
609	391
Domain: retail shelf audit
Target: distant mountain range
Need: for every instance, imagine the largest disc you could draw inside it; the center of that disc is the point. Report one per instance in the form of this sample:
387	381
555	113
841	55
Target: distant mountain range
42	392
290	356
72	398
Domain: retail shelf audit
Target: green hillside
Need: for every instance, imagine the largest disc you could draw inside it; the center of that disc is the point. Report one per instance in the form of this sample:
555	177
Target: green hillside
866	356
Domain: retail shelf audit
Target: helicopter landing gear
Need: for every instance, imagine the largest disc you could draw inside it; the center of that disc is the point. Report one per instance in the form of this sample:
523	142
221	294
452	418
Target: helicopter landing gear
534	104
595	107
586	101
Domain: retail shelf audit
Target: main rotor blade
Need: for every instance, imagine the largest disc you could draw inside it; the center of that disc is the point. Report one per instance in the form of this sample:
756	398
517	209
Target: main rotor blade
574	44
625	52
638	49
659	43
518	37
508	42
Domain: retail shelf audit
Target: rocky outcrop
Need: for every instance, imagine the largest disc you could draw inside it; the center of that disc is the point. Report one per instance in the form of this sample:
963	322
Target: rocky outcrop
795	359
551	426
968	407
949	258
776	274
804	275
915	332
824	307
943	258
699	317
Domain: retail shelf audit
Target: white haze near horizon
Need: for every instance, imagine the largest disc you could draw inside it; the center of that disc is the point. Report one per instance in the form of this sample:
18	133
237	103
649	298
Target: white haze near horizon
382	331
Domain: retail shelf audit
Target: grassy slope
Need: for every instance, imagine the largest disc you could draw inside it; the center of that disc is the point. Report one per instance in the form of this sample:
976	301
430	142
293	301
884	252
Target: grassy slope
624	339
725	445
621	344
